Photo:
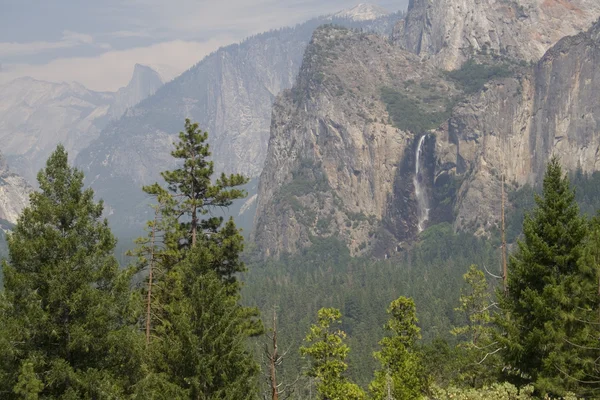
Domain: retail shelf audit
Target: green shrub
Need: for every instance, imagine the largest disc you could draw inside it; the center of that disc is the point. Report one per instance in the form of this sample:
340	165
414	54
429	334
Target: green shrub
473	76
409	115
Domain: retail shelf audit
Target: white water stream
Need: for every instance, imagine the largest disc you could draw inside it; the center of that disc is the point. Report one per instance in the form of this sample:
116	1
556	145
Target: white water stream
420	193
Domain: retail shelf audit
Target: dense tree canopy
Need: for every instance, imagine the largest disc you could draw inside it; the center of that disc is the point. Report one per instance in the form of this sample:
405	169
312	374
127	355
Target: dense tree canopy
65	328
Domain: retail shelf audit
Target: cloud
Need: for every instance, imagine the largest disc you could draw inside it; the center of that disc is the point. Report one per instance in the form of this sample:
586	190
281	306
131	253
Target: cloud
69	39
77	38
112	69
130	34
172	33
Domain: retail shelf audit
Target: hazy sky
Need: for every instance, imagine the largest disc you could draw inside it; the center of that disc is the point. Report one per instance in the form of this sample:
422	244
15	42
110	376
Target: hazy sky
97	42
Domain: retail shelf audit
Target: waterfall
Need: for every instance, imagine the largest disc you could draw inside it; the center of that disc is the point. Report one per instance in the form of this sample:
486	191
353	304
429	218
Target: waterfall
420	193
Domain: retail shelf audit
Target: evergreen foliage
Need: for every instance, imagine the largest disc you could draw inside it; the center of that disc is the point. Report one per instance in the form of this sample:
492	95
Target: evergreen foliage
71	322
197	329
190	184
199	349
410	114
548	285
472	76
480	351
328	352
65	322
402	376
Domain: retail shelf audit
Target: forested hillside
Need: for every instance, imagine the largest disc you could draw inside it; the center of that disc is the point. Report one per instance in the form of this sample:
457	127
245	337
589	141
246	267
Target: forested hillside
434	320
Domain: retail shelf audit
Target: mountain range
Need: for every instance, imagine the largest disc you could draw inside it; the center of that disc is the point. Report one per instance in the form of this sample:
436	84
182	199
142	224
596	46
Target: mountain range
365	125
35	116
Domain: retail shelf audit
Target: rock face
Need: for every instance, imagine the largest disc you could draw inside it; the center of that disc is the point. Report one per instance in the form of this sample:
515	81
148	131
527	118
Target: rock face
338	164
448	31
144	82
35	116
363	12
230	94
14	195
518	123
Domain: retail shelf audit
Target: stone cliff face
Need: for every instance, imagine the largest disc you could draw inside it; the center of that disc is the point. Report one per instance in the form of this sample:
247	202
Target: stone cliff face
338	164
35	116
518	123
144	82
448	31
14	194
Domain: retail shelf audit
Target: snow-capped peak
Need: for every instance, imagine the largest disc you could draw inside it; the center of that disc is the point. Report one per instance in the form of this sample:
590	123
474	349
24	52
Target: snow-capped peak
363	12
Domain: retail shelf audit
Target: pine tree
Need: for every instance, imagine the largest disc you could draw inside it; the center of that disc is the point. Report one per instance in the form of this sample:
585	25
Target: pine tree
198	328
578	360
538	315
65	317
401	376
328	352
191	184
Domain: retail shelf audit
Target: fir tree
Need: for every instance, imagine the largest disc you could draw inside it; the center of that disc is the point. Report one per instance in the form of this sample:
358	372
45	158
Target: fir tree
538	317
328	352
200	351
66	331
401	376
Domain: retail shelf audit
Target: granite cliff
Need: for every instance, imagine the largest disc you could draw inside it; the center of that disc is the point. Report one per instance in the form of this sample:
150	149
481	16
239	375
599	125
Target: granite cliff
14	195
448	32
374	143
230	93
36	115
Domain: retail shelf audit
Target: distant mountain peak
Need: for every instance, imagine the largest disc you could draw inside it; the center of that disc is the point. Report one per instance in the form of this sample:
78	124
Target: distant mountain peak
144	82
363	12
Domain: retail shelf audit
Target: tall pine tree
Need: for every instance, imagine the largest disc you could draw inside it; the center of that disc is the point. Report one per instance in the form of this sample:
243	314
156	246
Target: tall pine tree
539	314
198	329
66	332
480	351
326	347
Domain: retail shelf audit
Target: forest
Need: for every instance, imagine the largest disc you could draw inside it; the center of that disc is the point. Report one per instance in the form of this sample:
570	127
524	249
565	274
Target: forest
199	314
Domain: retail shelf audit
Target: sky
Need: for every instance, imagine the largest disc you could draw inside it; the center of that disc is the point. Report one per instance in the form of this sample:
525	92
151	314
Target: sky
98	42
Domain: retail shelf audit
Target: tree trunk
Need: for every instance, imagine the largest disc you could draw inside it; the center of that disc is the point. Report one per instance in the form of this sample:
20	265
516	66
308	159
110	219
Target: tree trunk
150	276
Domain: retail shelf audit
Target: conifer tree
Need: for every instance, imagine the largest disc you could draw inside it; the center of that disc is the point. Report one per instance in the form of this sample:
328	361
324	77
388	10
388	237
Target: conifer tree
328	352
64	314
200	348
401	376
199	329
191	186
538	317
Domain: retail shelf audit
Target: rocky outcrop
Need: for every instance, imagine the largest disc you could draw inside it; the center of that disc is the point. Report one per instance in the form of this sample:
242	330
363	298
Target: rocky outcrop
338	164
517	124
14	195
144	83
363	12
447	32
35	116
